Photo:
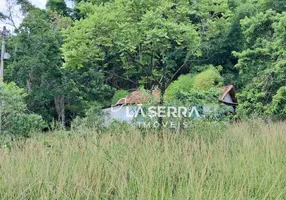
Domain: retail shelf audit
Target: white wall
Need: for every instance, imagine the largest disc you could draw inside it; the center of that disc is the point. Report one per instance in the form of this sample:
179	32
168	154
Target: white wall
228	99
120	113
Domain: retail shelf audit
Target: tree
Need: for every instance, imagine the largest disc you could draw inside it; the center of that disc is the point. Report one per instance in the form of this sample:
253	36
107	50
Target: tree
58	6
277	107
262	64
36	65
13	118
133	41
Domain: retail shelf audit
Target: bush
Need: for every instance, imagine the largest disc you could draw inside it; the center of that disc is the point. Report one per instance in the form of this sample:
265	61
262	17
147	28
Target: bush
251	105
93	120
24	124
119	94
12	112
205	80
11	99
183	84
278	105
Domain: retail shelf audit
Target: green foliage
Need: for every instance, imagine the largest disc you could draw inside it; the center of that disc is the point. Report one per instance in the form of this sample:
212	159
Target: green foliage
58	6
119	94
207	79
277	5
198	90
206	161
278	105
190	83
93	120
24	124
206	102
12	99
262	64
200	97
67	58
3	16
133	40
36	65
184	84
12	111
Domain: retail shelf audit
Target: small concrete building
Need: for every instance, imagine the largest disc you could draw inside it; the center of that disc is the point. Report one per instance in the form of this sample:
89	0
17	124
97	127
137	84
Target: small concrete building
127	108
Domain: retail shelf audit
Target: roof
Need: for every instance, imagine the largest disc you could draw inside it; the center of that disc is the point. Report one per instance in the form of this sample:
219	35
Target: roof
139	97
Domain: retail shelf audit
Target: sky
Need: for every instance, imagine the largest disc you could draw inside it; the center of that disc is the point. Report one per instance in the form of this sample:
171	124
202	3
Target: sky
39	3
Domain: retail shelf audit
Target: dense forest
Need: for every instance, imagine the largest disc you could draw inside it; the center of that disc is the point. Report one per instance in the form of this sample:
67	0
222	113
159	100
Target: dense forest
67	60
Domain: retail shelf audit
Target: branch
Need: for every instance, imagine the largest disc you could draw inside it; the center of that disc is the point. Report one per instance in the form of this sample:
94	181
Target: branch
141	65
121	77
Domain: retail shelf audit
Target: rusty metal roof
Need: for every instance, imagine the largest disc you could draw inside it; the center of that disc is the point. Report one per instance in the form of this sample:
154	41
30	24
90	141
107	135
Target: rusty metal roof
139	97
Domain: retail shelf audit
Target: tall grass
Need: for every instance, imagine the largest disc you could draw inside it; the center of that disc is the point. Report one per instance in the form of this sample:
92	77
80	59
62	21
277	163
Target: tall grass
238	161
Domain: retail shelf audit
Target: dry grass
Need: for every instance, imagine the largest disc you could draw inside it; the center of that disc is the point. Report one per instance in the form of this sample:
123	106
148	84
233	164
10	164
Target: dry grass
240	161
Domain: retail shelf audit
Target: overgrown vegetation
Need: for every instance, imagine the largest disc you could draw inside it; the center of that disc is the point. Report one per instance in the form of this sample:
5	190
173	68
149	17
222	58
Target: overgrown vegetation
68	63
204	82
14	116
69	59
209	161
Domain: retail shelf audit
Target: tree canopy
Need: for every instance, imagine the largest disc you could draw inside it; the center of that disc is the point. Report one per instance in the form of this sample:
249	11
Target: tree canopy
69	59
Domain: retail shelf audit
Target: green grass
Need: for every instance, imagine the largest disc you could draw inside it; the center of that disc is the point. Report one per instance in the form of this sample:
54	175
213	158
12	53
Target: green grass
238	161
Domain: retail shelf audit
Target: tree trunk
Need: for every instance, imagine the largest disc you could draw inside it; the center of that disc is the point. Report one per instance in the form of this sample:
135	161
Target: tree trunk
163	87
29	87
60	108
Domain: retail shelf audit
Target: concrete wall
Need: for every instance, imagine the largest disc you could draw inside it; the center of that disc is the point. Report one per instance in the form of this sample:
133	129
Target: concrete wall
120	113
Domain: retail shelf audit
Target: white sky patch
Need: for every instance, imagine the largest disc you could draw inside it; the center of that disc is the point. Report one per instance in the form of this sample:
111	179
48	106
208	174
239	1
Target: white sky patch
17	19
2	4
39	3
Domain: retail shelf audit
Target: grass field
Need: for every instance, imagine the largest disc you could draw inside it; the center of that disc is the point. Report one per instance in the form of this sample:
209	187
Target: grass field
210	161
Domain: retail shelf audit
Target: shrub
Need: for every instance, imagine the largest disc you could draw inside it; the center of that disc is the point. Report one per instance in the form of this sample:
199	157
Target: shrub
24	124
11	99
119	94
278	105
205	80
183	84
93	120
12	112
200	91
251	105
